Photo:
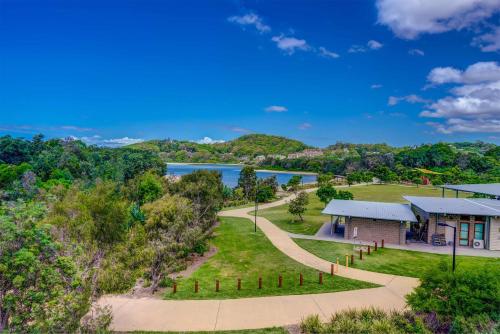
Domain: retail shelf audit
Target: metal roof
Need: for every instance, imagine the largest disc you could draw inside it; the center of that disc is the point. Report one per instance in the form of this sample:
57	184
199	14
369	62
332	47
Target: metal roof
457	206
374	210
487	188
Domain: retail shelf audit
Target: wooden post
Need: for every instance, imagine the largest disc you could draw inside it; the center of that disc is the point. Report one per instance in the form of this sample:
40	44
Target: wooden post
280	281
301	279
368	249
332	269
195	286
320	277
360	254
174	288
260	282
216	285
382	243
239	283
375	246
346	261
352	259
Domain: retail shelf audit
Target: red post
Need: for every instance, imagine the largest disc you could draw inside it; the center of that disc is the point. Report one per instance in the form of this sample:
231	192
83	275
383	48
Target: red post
280	281
361	254
174	288
301	279
195	286
260	282
352	259
217	285
382	243
368	249
375	246
320	277
239	283
332	269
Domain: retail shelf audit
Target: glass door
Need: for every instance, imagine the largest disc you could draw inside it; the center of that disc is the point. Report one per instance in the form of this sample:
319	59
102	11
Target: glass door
479	231
464	234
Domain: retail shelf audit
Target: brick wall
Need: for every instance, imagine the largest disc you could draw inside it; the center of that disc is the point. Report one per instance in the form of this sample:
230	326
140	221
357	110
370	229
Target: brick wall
393	232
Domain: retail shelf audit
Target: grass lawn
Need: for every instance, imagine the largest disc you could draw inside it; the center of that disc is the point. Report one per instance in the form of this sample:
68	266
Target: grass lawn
272	330
313	219
394	192
390	261
245	254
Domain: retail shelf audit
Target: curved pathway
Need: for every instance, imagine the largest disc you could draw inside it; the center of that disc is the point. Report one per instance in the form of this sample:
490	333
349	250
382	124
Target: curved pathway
248	313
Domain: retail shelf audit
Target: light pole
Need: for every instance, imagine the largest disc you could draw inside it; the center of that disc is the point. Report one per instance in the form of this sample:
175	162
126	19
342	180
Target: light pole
256	203
454	240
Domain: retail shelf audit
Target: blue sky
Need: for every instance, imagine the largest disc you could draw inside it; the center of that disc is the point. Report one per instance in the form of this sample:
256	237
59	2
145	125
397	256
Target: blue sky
113	72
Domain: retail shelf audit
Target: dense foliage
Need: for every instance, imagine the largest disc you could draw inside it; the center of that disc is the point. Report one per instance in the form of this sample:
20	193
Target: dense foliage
77	221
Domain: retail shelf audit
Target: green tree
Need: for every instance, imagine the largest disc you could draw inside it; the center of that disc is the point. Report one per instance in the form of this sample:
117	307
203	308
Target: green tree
41	289
247	181
326	193
294	182
146	187
172	233
297	206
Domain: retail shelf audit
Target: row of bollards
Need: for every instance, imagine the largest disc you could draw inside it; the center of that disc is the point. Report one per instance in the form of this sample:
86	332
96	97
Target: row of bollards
333	269
238	284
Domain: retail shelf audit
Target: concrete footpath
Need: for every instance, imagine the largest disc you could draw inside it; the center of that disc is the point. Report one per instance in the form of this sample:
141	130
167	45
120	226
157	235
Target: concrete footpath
249	313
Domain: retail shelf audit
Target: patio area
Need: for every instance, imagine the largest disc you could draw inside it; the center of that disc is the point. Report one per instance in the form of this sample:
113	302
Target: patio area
324	234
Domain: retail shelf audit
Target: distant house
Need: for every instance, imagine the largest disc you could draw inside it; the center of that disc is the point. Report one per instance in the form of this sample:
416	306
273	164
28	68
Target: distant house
259	158
477	220
309	153
277	156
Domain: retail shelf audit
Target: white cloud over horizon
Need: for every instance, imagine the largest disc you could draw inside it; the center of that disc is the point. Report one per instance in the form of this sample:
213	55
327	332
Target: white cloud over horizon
112	142
208	140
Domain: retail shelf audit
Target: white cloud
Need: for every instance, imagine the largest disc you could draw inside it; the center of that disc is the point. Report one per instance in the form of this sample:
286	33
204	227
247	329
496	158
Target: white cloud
475	73
250	19
376	86
374	45
489	42
290	44
416	52
276	109
113	142
473	106
305	126
410	18
412	98
356	49
370	45
238	129
327	53
208	140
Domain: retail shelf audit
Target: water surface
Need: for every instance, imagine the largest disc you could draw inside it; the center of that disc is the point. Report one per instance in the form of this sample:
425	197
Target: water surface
231	173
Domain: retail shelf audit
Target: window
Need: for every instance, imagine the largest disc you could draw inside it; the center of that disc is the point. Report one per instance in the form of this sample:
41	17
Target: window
479	231
464	234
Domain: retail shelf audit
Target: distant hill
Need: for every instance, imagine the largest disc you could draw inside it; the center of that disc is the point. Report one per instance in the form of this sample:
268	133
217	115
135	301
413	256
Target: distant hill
240	149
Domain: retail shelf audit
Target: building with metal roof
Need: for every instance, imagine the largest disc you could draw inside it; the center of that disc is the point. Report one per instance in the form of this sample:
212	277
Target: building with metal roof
372	210
491	189
456	206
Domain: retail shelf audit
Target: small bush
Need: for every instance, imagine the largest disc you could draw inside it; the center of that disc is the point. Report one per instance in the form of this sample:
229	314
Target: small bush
311	325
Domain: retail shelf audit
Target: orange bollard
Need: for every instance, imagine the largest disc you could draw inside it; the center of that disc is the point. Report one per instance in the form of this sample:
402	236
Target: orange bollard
239	283
382	243
301	279
332	269
375	246
352	259
195	286
368	249
216	285
260	282
174	288
320	277
280	281
361	254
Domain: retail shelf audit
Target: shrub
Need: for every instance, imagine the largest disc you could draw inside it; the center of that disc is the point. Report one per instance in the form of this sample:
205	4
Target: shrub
465	292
